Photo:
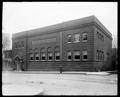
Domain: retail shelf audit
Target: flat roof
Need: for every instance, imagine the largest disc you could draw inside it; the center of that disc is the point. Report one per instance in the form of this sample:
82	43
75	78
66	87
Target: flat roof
63	25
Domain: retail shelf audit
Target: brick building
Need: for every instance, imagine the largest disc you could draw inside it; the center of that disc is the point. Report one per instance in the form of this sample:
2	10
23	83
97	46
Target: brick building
78	45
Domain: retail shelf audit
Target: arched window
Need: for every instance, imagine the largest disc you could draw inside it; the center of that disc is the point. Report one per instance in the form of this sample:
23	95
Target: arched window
31	55
57	53
36	54
43	54
50	54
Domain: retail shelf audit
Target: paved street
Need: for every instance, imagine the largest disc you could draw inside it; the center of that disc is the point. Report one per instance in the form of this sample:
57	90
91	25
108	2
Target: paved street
58	84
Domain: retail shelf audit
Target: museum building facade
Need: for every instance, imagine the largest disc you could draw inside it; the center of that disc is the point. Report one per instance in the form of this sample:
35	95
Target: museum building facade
77	45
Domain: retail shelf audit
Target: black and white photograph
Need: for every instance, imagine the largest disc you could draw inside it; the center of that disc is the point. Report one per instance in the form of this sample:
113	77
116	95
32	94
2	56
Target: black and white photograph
59	48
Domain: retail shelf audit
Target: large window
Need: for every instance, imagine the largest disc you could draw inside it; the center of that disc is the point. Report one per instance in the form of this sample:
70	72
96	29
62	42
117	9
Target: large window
50	54
84	37
84	55
57	56
31	56
77	38
69	55
36	54
76	55
43	58
69	38
100	55
57	53
43	54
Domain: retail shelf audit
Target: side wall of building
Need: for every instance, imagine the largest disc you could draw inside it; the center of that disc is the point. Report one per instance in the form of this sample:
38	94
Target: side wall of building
102	45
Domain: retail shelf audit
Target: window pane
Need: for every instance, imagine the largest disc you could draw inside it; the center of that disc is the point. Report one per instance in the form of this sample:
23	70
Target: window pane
43	58
77	56
50	57
69	57
57	57
85	57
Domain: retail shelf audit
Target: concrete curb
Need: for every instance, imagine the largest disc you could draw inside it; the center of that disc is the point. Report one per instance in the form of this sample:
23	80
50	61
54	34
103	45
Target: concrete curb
56	72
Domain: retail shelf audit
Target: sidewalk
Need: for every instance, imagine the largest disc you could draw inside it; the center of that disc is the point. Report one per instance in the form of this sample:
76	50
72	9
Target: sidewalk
18	89
57	72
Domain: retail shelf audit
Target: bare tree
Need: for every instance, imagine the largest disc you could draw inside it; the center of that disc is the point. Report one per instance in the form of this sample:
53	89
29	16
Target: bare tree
6	41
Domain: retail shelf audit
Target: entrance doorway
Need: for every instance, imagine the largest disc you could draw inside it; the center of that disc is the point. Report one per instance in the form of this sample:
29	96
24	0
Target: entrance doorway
17	63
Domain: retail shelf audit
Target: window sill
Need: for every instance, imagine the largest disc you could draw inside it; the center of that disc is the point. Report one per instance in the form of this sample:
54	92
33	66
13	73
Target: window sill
69	60
84	59
31	60
49	60
57	60
37	60
76	60
76	41
69	42
84	41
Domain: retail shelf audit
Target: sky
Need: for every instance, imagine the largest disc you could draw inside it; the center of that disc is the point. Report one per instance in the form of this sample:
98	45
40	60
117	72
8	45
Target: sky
22	16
